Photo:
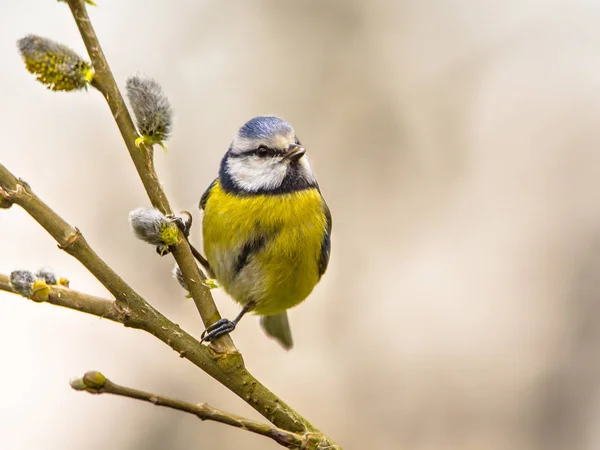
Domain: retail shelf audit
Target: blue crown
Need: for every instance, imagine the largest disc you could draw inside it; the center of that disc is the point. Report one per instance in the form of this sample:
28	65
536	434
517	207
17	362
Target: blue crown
264	126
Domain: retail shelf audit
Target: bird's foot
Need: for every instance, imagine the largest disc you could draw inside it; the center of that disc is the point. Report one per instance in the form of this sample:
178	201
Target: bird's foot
217	329
183	220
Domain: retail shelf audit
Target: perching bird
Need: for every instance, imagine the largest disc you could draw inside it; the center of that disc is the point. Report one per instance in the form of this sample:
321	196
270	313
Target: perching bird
266	227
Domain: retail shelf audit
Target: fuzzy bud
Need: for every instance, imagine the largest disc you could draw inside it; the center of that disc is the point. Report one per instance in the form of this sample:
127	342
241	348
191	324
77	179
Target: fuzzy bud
22	282
55	64
147	224
151	108
151	226
47	275
179	277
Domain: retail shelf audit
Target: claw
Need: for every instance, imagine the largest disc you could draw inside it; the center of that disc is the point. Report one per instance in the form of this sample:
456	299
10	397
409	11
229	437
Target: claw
217	329
183	221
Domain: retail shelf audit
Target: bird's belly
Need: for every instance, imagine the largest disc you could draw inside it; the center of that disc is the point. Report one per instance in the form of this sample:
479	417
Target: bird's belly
274	281
284	269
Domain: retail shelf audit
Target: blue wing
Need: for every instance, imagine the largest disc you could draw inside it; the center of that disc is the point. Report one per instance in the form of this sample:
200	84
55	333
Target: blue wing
326	244
206	194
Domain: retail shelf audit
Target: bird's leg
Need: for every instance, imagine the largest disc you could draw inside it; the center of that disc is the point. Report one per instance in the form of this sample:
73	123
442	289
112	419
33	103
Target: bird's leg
204	263
224	326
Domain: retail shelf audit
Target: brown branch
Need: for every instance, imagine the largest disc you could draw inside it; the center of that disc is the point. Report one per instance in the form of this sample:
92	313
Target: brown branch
97	383
221	360
228	369
68	238
143	160
68	298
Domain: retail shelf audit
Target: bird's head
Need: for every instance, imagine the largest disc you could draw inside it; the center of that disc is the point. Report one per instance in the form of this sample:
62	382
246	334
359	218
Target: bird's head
266	157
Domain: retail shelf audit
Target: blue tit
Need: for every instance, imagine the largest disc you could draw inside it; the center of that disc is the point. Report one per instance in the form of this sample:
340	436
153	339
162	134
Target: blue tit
266	226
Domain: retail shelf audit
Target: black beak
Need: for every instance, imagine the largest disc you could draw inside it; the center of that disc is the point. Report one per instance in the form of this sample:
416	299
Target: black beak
295	152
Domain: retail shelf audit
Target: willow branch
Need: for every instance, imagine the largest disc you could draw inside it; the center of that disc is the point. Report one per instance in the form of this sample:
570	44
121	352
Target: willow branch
68	238
228	369
97	383
221	360
68	298
143	160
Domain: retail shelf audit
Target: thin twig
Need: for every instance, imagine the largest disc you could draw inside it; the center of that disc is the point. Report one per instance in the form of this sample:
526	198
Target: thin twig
97	383
68	298
222	361
228	369
68	238
143	160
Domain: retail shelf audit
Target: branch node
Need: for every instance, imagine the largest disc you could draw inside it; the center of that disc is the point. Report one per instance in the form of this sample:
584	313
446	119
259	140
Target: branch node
123	311
70	240
5	199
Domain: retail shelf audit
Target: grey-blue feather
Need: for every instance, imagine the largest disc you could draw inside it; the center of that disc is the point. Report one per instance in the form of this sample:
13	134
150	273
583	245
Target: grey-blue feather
264	127
206	194
326	244
278	327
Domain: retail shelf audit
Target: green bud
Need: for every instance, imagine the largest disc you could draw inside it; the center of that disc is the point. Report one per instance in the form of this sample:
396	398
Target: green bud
40	291
91	381
169	234
55	64
94	380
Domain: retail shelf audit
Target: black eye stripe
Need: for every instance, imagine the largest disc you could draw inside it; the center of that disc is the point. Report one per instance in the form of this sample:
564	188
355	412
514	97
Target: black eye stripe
263	151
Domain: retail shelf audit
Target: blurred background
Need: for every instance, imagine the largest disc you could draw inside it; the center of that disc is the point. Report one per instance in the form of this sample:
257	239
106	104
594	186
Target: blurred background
456	143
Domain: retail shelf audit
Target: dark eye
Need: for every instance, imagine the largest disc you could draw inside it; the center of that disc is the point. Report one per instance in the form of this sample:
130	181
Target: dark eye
262	151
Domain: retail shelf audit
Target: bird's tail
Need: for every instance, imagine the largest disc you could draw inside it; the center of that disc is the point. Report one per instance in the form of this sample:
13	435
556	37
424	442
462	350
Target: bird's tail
278	327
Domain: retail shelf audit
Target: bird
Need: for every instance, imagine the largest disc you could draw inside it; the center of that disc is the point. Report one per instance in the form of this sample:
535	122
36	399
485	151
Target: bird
266	227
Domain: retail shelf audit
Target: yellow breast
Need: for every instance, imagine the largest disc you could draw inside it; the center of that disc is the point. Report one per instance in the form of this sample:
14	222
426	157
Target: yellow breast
285	269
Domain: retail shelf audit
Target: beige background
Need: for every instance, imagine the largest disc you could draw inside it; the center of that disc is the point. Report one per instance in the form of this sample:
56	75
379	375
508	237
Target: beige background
457	143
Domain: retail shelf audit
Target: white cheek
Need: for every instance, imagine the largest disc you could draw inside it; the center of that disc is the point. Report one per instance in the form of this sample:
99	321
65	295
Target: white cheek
306	169
253	174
